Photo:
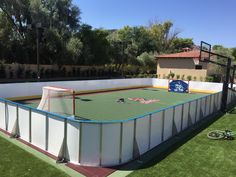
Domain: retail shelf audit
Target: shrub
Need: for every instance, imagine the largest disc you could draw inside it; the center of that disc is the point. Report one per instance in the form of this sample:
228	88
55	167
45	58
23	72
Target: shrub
78	72
42	73
47	73
73	72
216	77
34	75
168	76
63	72
201	78
52	72
19	72
172	75
177	76
154	76
11	74
194	78
183	77
2	71
69	74
189	78
209	79
28	73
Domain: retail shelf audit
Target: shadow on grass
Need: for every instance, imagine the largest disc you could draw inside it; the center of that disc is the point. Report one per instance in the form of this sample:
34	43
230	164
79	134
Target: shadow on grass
160	152
83	99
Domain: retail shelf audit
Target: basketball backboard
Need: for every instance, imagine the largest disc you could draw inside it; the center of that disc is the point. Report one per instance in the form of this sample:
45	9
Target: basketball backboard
205	51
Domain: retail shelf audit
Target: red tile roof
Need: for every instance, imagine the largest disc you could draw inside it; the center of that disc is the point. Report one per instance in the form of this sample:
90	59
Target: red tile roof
188	54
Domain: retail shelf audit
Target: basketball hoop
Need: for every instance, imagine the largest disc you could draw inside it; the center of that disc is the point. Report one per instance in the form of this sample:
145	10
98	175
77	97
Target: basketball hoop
196	61
205	51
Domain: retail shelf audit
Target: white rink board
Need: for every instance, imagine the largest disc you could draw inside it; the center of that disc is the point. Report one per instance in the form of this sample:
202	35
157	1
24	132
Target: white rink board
229	96
110	144
192	111
168	123
96	144
201	86
55	135
212	104
219	100
38	128
24	123
142	134
208	102
35	88
30	89
90	144
127	141
178	117
185	116
11	117
198	112
73	133
205	86
203	107
216	102
156	129
2	116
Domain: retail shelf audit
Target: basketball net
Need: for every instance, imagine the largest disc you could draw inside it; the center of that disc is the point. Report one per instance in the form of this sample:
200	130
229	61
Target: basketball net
196	61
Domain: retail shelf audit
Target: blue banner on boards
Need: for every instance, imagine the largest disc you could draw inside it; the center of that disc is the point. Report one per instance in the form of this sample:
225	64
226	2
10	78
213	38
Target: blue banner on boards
178	86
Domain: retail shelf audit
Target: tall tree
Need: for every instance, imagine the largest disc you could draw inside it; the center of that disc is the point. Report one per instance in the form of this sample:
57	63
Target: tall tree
59	18
163	34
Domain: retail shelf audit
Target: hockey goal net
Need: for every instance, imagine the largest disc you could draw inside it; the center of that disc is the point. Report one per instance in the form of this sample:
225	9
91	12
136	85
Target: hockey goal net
58	100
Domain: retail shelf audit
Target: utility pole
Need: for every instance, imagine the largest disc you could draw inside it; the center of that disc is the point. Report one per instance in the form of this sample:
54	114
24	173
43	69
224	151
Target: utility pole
38	26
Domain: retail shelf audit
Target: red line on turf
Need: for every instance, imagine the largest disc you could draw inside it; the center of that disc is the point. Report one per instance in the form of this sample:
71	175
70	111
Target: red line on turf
85	170
92	171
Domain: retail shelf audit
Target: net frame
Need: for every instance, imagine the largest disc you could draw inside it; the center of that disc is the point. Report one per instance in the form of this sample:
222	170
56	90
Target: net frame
45	103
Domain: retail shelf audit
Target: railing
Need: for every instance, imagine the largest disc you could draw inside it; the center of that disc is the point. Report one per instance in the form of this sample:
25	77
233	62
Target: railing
104	143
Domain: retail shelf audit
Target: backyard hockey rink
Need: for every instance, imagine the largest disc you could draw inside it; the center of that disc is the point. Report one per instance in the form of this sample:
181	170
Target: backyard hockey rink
103	142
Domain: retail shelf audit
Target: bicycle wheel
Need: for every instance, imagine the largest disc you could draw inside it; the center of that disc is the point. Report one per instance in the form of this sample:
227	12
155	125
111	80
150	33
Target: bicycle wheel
216	134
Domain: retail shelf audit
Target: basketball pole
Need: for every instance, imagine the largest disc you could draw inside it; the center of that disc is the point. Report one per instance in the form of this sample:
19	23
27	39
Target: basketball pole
225	87
73	92
232	77
228	67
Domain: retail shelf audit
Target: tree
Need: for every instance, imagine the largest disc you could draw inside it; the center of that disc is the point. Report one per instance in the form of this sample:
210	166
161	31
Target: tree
5	36
179	43
234	53
116	48
58	18
148	62
215	70
95	45
163	35
74	46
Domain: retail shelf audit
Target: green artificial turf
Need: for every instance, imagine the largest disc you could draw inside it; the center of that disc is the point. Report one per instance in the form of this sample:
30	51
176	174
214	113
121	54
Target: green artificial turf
104	106
15	162
198	157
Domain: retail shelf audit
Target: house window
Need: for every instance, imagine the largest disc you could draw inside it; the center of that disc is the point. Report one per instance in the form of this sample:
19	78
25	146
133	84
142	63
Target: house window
198	67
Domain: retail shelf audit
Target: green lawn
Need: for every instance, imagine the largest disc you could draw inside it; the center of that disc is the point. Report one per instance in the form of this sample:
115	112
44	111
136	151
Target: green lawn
104	106
15	162
197	157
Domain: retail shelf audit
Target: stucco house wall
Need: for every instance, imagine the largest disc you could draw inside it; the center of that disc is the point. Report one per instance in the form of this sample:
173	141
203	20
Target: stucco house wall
180	66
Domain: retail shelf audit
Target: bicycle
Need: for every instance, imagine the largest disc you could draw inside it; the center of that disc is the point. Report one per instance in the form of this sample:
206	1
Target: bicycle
219	134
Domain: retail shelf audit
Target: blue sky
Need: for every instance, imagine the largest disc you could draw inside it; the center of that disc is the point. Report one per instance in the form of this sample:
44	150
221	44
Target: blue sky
213	21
